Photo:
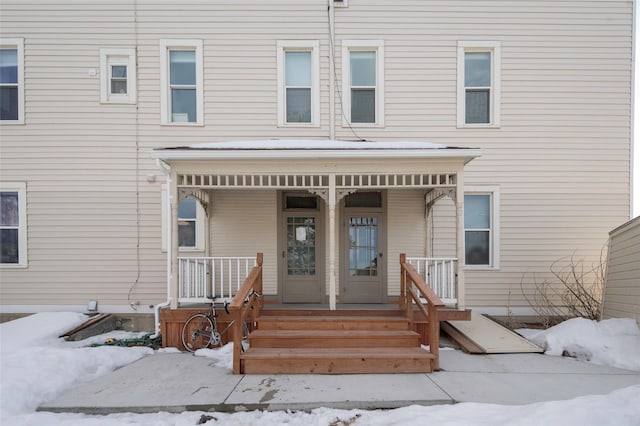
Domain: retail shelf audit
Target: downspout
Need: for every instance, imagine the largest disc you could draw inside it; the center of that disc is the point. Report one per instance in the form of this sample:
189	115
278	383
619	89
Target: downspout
166	169
332	71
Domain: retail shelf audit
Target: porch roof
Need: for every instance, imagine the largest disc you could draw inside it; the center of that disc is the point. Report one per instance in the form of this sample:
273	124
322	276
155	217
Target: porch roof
314	149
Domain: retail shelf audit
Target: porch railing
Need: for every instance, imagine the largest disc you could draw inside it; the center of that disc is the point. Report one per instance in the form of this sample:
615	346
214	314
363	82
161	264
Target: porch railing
414	289
202	277
440	274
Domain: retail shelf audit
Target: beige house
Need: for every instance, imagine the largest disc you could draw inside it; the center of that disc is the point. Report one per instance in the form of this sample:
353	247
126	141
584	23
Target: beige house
149	150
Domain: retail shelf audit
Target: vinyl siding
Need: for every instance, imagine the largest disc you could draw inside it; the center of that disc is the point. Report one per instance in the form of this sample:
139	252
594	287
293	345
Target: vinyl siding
561	156
622	292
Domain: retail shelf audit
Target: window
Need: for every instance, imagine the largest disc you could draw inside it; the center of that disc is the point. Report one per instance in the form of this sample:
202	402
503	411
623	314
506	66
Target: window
481	228
298	86
363	80
118	76
478	84
11	81
13	225
191	223
182	82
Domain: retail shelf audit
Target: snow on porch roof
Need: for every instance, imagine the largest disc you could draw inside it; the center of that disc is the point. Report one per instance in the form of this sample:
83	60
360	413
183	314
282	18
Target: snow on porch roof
313	148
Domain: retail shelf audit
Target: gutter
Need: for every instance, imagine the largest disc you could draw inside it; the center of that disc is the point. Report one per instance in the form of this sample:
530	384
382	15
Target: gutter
166	169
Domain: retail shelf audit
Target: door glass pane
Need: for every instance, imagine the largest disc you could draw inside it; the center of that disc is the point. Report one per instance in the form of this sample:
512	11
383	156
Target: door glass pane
9	66
363	68
477	211
363	105
477	106
476	247
298	68
363	247
477	69
183	105
182	64
298	105
301	246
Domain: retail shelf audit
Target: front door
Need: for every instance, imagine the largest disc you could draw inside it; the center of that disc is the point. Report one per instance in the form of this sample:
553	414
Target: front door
301	250
362	276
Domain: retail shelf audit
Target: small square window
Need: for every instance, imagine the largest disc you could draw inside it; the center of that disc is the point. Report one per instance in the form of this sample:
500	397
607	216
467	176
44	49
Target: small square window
117	76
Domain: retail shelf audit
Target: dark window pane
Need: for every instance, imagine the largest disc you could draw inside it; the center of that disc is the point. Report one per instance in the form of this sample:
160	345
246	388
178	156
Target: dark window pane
363	105
9	66
119	87
187	208
477	69
187	233
363	199
477	106
295	202
183	105
476	247
9	246
477	211
119	71
9	209
298	105
182	65
8	103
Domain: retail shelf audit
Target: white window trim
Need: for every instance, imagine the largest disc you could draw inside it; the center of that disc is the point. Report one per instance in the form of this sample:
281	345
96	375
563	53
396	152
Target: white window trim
165	103
200	224
494	242
362	45
480	46
18	44
118	57
312	46
21	189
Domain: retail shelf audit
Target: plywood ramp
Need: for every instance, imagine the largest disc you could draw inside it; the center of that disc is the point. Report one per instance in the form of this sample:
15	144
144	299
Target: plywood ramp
482	335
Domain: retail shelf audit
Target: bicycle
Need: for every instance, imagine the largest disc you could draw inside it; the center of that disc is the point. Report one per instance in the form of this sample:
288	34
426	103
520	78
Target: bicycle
201	330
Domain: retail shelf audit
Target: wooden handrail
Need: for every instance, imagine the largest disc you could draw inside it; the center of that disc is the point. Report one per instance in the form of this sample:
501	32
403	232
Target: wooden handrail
408	279
248	300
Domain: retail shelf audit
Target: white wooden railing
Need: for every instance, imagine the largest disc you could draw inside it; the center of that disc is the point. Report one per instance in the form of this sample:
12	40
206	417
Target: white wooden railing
440	273
220	277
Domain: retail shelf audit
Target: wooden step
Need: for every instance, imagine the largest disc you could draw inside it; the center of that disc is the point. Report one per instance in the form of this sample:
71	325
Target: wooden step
327	322
336	361
333	338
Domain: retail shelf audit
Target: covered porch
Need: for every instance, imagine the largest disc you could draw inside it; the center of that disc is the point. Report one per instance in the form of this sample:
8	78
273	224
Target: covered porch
329	220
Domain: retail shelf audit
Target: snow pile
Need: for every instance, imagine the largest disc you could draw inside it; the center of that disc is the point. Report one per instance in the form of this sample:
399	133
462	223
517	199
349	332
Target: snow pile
614	342
222	357
328	144
36	365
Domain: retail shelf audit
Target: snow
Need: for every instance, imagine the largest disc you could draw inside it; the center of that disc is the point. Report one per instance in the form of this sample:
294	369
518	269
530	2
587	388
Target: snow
36	366
614	342
304	144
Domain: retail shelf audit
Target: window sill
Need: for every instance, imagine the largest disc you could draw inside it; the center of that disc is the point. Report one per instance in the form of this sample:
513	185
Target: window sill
481	268
11	122
13	265
183	124
299	125
478	126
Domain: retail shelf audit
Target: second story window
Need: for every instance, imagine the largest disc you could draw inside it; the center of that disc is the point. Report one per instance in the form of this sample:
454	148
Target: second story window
11	81
182	82
117	76
298	87
478	84
363	79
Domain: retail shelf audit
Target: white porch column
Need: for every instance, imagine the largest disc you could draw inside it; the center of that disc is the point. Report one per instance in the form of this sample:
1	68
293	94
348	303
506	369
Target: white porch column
460	237
174	202
332	242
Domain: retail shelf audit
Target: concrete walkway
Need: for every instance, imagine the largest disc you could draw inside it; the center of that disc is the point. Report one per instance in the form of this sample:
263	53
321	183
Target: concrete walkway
176	382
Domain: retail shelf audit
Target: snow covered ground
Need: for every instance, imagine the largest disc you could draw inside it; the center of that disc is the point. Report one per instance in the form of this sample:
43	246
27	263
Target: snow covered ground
36	366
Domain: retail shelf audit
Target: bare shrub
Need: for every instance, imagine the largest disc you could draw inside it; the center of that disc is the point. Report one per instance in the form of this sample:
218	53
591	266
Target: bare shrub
574	291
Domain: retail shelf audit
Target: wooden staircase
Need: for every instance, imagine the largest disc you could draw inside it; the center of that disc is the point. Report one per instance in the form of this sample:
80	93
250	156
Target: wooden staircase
334	342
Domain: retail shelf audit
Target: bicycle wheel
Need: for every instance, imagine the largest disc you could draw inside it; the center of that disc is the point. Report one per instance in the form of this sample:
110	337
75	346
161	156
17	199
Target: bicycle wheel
198	332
